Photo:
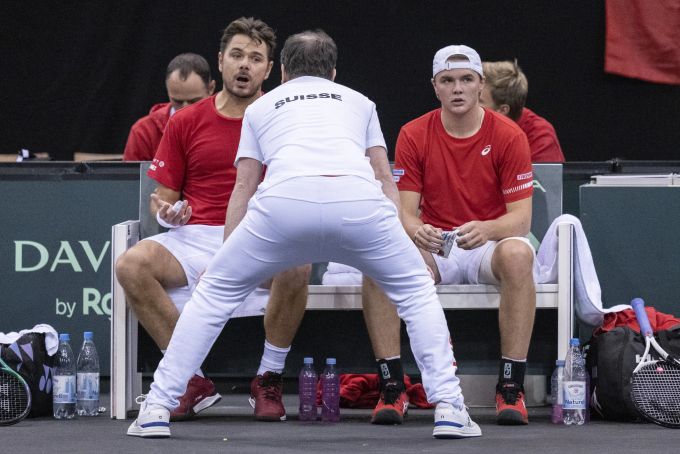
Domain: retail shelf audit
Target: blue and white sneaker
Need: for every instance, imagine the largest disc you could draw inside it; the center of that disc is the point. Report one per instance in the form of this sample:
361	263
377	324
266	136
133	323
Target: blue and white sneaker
454	422
153	421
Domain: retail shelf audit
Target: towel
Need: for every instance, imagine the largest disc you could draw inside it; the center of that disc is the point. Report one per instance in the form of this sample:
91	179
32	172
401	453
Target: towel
363	391
587	291
51	337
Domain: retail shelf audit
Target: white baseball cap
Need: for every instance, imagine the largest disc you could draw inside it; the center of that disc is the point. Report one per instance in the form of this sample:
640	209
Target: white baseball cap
441	60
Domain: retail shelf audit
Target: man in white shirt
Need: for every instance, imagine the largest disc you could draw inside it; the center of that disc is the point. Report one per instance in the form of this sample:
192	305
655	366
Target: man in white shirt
328	194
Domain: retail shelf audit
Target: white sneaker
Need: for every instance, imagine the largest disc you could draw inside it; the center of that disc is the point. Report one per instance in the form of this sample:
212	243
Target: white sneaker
153	421
453	422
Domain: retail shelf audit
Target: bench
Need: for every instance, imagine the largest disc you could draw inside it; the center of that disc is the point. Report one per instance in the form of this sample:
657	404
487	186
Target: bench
126	382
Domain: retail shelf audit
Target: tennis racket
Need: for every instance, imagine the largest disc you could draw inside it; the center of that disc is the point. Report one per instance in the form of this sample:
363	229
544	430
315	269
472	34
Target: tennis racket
15	395
655	389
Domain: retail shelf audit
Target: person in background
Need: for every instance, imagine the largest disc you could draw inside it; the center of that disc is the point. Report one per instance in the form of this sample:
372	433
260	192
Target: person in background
505	91
187	81
194	168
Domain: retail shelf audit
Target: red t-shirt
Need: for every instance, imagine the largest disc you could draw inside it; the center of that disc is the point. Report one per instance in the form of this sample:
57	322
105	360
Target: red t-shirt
462	180
542	137
196	157
146	133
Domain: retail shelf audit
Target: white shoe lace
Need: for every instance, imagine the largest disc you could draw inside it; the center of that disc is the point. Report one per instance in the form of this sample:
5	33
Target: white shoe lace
139	400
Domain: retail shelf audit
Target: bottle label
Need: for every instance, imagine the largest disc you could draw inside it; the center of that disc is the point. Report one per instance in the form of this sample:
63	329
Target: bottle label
64	389
574	395
88	386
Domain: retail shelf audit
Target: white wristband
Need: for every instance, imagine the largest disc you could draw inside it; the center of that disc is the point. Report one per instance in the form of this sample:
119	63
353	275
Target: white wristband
163	223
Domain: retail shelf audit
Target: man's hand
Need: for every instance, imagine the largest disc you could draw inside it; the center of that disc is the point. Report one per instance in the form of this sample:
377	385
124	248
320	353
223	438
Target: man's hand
171	215
428	238
473	234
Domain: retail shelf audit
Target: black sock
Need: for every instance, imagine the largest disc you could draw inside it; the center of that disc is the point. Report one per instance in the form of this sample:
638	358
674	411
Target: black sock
512	371
390	370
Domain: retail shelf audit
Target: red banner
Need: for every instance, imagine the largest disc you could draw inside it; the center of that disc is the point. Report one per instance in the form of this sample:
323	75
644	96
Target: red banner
643	40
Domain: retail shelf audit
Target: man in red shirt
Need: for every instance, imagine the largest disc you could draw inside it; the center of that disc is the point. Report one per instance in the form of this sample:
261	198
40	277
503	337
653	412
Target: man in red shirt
466	168
505	91
194	168
187	81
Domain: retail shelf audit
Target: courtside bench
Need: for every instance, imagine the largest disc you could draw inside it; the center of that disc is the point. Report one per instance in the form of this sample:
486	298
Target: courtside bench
126	382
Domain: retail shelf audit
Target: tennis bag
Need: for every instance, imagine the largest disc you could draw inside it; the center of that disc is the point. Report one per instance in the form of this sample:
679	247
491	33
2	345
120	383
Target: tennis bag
28	356
613	352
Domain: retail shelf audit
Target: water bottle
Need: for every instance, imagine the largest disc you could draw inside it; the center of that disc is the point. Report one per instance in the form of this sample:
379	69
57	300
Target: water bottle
574	386
330	393
64	381
307	391
88	378
556	392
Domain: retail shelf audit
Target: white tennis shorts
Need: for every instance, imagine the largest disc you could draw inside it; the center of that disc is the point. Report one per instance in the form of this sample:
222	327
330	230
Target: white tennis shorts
473	266
194	246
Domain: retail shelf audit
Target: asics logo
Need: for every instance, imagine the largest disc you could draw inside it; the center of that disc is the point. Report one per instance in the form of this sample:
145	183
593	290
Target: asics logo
384	370
486	150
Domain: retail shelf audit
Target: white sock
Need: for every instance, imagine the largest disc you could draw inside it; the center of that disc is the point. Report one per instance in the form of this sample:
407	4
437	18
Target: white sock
273	359
198	372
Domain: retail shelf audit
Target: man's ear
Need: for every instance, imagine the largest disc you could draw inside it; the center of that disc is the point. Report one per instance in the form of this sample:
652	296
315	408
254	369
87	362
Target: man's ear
284	75
269	70
504	109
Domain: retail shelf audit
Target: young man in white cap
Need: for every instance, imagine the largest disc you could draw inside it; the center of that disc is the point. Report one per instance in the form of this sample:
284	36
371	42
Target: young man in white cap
465	168
321	200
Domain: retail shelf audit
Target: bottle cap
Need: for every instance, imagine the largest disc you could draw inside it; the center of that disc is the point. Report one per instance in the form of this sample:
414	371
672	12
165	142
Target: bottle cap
574	341
560	362
87	335
308	360
330	360
64	337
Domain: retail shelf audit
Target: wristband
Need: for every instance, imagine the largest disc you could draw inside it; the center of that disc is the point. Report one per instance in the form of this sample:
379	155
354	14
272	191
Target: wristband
163	223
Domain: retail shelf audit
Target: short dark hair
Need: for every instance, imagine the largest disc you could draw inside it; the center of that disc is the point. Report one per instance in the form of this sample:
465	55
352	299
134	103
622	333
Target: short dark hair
253	28
188	63
310	53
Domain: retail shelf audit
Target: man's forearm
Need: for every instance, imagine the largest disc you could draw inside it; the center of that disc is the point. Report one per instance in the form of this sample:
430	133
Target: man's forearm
236	211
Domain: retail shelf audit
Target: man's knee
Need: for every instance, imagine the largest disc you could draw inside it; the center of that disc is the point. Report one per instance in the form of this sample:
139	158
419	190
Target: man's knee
513	259
293	279
131	266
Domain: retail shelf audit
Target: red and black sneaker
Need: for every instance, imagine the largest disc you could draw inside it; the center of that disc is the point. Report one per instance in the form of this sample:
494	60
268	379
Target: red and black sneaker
200	394
510	407
266	393
392	406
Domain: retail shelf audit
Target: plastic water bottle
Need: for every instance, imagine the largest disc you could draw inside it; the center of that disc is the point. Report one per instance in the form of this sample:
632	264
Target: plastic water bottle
88	378
330	392
64	381
574	386
307	391
556	396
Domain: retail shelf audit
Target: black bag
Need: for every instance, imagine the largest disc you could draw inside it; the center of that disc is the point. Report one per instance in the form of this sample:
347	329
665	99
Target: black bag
28	356
611	358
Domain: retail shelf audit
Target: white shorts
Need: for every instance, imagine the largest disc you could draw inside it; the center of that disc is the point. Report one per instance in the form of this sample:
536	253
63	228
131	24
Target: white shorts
472	266
194	246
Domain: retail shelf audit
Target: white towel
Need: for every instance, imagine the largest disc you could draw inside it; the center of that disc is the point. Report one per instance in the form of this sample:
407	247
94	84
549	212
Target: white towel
339	274
587	291
51	337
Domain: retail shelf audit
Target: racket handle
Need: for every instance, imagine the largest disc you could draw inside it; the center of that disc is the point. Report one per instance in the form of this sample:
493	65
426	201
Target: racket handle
639	308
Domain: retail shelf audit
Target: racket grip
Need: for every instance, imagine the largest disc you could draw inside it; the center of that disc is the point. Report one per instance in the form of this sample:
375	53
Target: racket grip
639	308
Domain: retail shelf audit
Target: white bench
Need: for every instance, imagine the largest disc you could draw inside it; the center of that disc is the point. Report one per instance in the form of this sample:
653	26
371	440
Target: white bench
126	382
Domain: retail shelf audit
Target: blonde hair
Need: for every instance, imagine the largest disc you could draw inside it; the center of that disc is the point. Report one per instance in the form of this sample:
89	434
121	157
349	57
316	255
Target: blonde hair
507	85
